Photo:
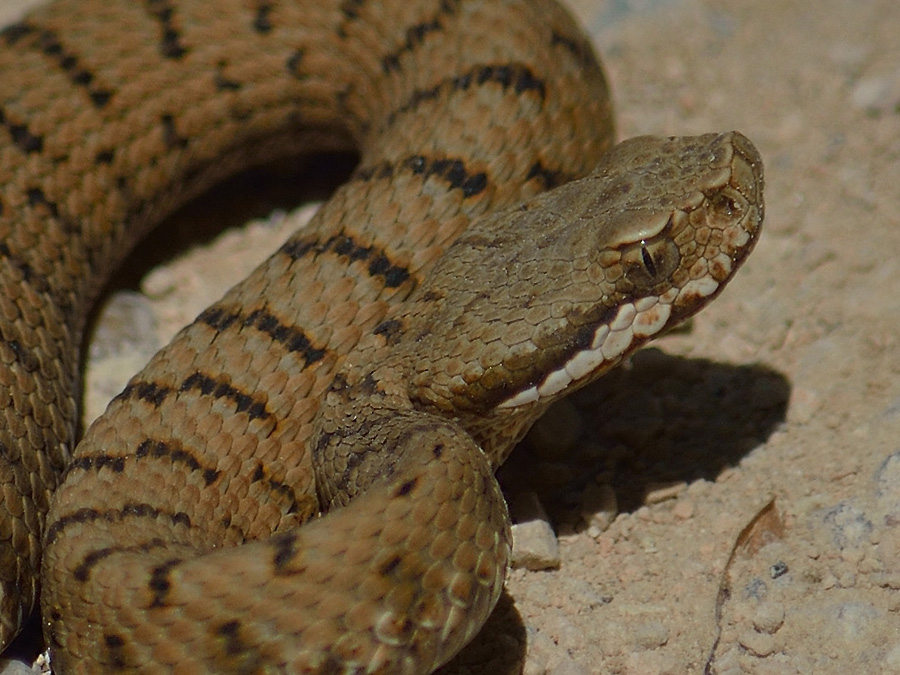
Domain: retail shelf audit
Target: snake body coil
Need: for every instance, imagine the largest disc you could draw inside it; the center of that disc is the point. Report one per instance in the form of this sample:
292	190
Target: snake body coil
375	369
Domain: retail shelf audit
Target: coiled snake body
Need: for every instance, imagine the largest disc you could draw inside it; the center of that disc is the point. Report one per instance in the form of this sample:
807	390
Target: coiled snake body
376	368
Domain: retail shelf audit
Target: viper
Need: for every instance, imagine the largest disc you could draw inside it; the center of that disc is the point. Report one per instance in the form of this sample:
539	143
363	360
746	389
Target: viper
302	481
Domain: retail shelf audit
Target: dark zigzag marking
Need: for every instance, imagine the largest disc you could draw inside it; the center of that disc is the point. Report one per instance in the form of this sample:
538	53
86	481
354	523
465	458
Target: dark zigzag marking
417	34
27	35
37	199
21	137
262	23
14	32
230	632
178	454
294	61
291	338
115	651
377	262
129	510
105	156
97	462
451	170
579	46
218	388
155	394
149	447
83	570
284	547
159	584
261	474
515	76
170	36
218	318
550	178
148	392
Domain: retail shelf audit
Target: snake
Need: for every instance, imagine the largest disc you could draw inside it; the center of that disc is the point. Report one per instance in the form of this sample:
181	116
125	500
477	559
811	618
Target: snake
303	479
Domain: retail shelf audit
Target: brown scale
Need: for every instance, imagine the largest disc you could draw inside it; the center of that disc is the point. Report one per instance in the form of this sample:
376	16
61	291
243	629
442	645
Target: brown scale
370	365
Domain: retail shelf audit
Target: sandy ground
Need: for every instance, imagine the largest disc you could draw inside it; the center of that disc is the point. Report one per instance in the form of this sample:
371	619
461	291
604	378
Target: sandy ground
731	502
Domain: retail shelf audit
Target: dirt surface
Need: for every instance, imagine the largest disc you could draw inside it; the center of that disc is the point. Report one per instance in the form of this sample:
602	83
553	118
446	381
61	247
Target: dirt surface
731	501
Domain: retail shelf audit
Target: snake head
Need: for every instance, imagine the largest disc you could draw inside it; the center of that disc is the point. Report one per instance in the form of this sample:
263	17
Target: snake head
539	300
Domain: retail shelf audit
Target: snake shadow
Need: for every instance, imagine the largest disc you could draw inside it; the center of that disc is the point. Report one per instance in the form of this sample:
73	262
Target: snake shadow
660	421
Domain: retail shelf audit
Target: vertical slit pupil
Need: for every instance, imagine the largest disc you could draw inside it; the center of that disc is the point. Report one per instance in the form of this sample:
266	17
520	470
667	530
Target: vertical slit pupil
648	260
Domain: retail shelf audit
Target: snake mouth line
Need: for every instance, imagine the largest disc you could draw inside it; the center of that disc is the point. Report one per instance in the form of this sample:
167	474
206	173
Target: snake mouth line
634	322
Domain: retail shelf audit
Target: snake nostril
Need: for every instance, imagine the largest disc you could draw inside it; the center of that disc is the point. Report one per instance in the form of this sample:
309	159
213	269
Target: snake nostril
725	206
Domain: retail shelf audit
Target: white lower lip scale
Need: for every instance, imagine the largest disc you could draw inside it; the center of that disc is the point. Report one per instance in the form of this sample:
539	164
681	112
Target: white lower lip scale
642	319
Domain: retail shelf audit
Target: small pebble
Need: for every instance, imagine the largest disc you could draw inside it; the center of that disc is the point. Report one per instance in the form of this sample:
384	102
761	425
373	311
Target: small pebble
535	546
657	493
778	569
758	644
650	635
769	617
684	509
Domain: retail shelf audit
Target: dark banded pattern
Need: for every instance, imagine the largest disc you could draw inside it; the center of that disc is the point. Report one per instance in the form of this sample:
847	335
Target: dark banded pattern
25	36
21	137
126	511
114	112
291	338
515	76
217	388
170	42
376	263
416	34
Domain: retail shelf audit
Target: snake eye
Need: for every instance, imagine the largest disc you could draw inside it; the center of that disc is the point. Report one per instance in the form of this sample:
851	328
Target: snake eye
650	262
648	259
